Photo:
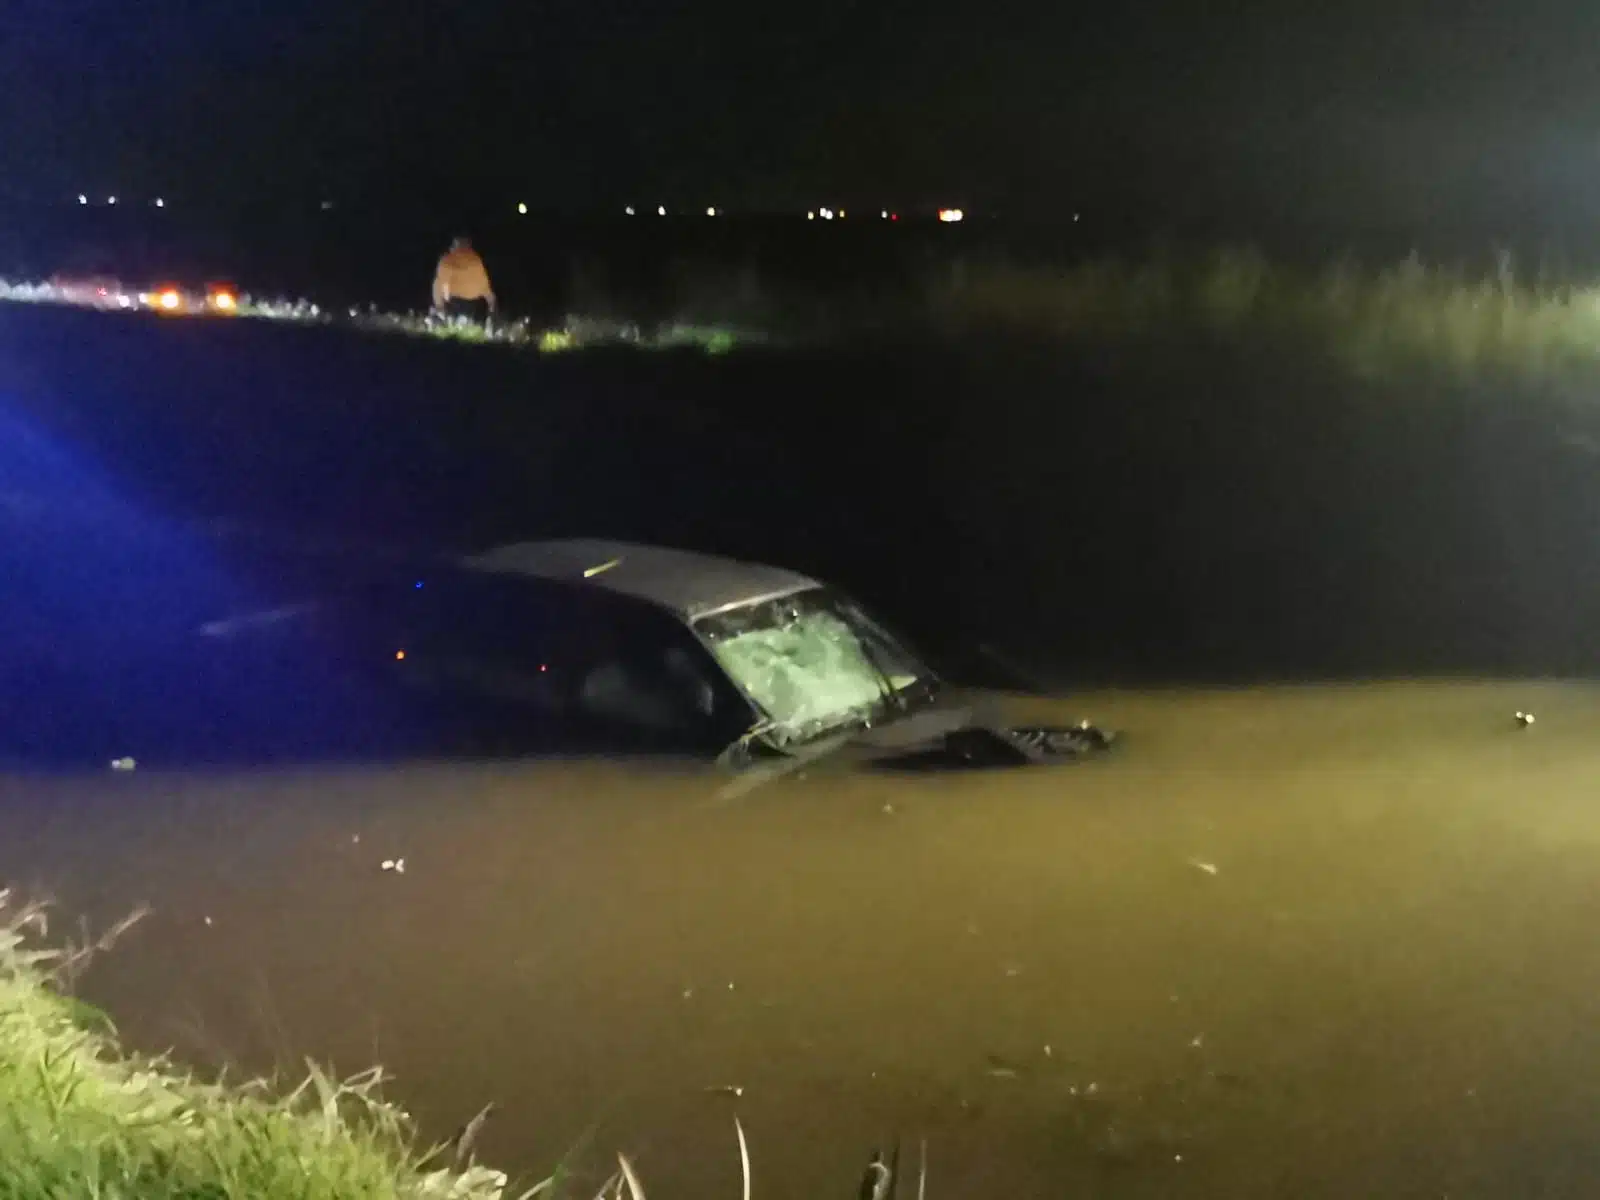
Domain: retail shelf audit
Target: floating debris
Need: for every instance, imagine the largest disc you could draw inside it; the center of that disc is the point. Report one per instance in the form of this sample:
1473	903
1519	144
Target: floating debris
1001	1068
1199	865
725	1089
397	865
1524	719
124	764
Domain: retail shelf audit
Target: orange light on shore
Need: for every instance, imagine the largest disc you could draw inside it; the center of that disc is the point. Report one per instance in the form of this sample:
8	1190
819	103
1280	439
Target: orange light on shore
226	301
169	299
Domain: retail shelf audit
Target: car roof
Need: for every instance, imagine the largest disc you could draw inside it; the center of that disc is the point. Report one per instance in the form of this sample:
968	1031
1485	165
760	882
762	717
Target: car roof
686	583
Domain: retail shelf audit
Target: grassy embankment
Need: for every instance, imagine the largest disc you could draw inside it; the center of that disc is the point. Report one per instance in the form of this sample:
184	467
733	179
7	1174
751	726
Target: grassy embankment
80	1116
1406	316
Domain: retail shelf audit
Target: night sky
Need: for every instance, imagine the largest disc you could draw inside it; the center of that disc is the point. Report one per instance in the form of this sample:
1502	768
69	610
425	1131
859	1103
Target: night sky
591	102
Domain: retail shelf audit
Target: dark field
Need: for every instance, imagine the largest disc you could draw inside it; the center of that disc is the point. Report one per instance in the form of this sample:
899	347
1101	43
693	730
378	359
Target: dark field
1384	985
1172	508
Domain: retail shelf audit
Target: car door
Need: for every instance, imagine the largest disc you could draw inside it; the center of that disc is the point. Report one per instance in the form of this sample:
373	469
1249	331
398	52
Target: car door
510	665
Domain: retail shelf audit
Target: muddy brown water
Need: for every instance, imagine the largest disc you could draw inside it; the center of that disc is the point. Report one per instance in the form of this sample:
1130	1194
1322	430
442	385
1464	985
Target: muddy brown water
1323	941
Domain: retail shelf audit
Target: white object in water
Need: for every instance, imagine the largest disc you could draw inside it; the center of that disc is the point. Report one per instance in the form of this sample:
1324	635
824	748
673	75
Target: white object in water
123	764
397	865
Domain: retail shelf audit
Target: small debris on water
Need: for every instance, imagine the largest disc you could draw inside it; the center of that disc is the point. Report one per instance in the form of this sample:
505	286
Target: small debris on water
688	993
1012	970
355	839
1207	867
124	764
888	809
397	865
730	985
1047	1051
1197	1041
725	1089
207	920
1000	1068
1524	719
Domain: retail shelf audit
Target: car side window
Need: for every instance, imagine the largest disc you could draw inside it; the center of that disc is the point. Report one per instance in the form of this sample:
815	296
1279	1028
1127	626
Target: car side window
647	672
617	671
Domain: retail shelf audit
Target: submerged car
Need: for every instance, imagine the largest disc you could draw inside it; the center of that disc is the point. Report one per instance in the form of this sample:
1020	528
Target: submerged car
567	648
581	647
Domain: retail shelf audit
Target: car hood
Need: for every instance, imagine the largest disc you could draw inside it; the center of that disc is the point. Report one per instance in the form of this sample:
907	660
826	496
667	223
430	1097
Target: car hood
958	730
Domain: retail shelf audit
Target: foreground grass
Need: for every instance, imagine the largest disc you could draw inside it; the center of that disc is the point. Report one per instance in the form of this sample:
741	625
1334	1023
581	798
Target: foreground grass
1406	316
82	1117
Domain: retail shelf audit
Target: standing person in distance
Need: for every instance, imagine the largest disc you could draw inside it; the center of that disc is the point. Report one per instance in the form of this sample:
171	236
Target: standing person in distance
461	284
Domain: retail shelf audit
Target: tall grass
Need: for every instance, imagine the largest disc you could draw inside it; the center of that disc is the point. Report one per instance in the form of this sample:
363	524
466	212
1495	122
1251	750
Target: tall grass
1408	314
80	1116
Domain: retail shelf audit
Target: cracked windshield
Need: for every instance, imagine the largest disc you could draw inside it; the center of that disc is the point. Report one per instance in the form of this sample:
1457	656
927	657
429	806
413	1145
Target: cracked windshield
812	662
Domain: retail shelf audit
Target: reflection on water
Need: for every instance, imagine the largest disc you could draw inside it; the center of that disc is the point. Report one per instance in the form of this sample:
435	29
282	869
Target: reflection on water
1312	942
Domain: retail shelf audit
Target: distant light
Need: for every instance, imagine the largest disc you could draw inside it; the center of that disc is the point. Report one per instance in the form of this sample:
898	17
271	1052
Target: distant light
811	216
950	215
661	210
1075	216
884	215
225	301
841	214
399	655
629	210
111	199
82	199
417	585
327	206
827	213
894	216
168	299
711	212
160	203
522	209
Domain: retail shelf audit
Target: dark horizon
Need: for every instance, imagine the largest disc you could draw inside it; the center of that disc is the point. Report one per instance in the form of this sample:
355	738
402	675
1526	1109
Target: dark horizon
590	107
